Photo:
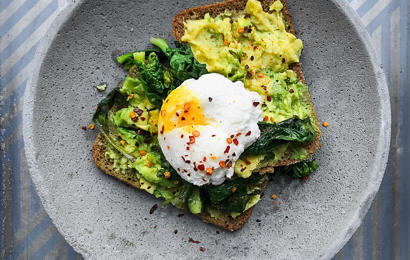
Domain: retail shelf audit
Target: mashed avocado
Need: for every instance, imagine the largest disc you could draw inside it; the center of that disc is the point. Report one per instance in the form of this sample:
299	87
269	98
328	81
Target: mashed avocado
254	38
254	47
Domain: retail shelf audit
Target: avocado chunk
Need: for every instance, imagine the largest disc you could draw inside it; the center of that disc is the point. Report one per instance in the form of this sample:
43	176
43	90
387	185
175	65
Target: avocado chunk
194	202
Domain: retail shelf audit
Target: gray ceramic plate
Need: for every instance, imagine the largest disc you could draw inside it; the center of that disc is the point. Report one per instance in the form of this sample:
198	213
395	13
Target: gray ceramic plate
102	217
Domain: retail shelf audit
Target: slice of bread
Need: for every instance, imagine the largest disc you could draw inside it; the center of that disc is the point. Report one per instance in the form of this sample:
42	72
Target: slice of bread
195	13
107	166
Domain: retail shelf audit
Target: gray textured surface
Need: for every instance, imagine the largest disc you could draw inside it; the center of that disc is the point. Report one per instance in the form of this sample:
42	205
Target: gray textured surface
100	216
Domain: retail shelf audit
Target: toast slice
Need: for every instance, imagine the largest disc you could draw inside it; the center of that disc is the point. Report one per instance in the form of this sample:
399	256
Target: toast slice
107	166
228	223
195	13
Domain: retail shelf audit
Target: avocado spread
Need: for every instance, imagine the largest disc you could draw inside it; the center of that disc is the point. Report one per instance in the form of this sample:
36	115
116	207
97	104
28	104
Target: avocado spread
254	47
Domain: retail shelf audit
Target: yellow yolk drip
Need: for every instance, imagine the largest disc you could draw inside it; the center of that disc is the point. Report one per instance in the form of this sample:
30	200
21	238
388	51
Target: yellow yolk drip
180	109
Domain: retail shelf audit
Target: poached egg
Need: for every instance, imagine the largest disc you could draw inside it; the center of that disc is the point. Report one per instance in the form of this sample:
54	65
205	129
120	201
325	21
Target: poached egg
205	125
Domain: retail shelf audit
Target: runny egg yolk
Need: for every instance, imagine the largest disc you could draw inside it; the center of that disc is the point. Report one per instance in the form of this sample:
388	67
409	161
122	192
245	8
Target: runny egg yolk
181	109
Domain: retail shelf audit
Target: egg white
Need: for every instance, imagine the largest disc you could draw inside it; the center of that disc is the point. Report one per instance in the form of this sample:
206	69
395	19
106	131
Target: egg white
231	112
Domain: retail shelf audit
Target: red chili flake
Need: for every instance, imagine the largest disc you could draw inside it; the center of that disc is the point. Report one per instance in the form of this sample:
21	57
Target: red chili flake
247	16
142	118
134	119
213	135
232	136
305	178
255	104
238	134
177	114
162	130
235	141
234	154
248	133
247	161
191	139
244	168
154	208
283	60
229	165
138	111
187	148
263	86
201	167
209	171
222	164
269	98
155	226
291	91
227	149
195	169
204	159
187	161
182	118
249	74
183	158
202	249
189	175
246	66
182	136
255	47
196	133
84	128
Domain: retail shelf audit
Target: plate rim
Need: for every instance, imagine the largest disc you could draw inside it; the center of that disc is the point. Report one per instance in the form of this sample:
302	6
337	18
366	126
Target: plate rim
381	154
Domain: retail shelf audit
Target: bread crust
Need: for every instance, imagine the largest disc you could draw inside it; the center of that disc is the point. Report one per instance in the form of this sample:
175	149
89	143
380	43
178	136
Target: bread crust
194	13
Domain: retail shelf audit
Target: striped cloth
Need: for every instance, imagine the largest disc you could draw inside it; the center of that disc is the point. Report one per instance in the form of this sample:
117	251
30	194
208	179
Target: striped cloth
26	231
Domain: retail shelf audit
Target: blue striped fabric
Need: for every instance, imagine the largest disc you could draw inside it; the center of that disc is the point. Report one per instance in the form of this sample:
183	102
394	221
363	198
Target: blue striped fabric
26	231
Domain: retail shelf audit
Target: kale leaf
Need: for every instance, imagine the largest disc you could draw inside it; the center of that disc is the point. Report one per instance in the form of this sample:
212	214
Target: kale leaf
233	195
182	62
100	118
127	60
273	135
299	170
158	81
180	199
